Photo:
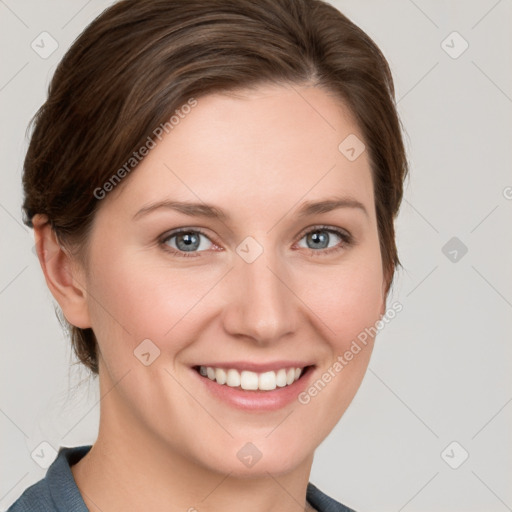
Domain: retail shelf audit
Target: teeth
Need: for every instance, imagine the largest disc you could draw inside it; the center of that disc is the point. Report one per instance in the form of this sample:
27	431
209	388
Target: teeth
267	381
220	376
233	379
248	380
281	378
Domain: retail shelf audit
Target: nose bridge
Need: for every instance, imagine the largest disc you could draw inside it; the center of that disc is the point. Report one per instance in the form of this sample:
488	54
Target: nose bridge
261	304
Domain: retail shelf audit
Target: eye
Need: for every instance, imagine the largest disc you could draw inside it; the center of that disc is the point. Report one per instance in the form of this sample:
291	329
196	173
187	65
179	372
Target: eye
323	240
184	242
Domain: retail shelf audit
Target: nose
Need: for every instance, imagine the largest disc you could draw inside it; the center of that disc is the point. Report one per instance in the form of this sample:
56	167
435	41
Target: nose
260	303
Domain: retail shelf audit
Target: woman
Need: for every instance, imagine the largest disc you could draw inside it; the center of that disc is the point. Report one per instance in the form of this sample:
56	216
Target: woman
212	187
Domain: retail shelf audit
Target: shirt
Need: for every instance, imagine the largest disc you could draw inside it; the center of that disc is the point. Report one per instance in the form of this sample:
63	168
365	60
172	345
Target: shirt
58	492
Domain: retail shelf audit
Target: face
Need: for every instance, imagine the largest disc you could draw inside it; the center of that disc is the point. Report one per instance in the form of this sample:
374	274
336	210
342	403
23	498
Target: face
253	283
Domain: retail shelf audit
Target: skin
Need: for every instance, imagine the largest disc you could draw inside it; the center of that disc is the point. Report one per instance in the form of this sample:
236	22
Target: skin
165	443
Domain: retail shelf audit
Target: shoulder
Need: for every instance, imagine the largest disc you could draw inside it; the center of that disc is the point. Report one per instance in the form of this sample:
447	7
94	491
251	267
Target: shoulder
36	498
322	502
57	491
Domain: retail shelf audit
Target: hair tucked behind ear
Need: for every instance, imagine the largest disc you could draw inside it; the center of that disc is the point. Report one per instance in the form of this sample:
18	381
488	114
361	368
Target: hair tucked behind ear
140	60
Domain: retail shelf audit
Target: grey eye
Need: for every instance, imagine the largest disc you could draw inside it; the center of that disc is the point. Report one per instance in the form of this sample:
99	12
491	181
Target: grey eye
187	241
320	239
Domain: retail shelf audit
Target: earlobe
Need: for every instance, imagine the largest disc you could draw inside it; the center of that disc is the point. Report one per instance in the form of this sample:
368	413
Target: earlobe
62	274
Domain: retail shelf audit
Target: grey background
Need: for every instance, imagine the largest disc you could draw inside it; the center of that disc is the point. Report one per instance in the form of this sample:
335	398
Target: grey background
441	369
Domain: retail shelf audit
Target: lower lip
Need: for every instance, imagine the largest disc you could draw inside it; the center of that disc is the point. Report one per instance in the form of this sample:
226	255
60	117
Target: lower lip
257	400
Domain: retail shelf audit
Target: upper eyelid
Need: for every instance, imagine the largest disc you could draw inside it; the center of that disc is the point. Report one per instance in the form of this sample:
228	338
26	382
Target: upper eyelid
174	232
321	227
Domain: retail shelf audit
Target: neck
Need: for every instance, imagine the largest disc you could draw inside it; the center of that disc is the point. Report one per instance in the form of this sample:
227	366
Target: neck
129	469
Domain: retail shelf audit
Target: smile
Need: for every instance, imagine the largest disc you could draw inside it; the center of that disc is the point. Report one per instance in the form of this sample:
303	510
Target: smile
255	387
252	381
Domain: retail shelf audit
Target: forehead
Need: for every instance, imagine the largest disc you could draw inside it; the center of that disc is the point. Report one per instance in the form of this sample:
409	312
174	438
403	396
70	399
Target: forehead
253	149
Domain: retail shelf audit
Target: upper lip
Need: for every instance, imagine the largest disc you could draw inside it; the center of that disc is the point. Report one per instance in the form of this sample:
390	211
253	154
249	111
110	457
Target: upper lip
258	367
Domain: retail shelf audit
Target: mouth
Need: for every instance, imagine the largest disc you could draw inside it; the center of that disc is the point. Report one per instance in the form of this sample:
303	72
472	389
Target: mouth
248	380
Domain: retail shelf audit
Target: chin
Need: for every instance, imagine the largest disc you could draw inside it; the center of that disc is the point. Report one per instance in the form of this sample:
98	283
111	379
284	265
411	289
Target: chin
246	459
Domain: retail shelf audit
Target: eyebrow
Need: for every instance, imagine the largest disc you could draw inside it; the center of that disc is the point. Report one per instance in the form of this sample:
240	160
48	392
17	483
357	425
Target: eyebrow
308	208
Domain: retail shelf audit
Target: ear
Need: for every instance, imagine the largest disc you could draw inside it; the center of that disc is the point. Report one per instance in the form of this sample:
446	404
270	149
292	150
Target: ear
64	276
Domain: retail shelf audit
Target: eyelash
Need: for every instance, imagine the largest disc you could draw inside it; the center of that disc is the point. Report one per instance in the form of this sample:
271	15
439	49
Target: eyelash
347	240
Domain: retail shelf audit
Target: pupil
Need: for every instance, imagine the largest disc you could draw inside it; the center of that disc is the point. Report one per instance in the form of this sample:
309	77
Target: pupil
188	240
319	239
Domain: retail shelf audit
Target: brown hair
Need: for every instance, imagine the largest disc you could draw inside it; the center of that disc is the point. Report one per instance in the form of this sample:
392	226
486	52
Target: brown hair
140	60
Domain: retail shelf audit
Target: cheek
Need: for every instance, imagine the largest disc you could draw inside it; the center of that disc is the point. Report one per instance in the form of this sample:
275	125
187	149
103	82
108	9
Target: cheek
348	301
134	297
349	305
132	300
